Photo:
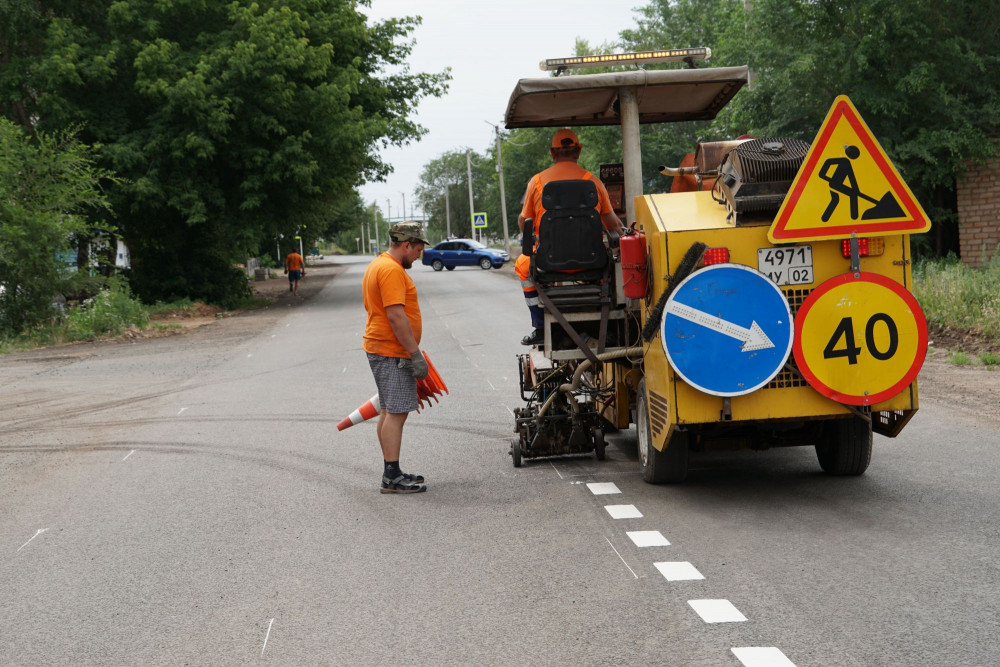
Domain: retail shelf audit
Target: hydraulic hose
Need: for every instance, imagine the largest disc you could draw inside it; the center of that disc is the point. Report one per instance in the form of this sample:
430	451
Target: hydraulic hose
572	386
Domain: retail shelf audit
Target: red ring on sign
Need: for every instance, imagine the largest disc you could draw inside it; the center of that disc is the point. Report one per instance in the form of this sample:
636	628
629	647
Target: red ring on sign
911	373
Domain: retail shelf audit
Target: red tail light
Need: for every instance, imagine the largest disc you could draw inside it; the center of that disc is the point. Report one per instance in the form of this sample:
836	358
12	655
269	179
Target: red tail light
716	256
866	247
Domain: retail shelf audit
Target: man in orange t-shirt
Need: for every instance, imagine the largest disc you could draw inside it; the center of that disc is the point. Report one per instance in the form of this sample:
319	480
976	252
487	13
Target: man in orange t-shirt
295	268
392	343
565	151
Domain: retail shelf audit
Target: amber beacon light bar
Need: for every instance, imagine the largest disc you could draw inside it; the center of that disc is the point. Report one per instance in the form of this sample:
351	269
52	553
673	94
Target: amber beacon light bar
634	58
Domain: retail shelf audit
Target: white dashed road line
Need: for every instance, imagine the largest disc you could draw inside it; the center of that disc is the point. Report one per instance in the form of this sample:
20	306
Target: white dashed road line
717	611
762	656
623	511
181	410
553	466
603	488
37	533
678	571
128	455
622	559
648	538
267	636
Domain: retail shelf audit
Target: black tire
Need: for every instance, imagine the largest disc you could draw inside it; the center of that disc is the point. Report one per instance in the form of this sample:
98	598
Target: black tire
485	264
515	451
667	467
437	265
846	448
600	452
450	268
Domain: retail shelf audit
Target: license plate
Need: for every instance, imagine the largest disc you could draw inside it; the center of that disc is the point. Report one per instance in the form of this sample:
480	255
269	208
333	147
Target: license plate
791	265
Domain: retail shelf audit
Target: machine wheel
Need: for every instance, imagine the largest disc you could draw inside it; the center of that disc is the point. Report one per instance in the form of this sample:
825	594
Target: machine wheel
515	451
846	448
437	265
485	264
666	467
450	268
599	445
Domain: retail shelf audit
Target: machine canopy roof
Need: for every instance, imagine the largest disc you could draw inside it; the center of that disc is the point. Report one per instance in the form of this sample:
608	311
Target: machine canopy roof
592	99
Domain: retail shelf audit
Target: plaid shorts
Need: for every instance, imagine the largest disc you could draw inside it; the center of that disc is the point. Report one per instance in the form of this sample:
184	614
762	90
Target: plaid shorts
397	388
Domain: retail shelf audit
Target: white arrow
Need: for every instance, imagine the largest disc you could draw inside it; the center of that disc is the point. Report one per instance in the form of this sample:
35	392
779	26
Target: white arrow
753	338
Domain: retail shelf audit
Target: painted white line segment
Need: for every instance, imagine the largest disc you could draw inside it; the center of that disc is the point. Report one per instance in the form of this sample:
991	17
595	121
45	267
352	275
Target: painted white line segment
603	488
648	538
762	656
678	571
129	454
491	385
181	410
623	511
249	355
717	611
511	412
344	371
556	469
267	635
37	533
623	560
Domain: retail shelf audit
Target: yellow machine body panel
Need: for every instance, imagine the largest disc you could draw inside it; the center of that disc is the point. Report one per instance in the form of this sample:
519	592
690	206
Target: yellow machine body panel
671	224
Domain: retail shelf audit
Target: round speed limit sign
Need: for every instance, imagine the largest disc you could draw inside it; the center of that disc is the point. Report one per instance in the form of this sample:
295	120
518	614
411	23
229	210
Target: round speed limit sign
860	340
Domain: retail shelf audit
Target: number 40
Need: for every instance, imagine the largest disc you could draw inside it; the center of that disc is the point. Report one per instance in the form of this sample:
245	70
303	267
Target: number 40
850	350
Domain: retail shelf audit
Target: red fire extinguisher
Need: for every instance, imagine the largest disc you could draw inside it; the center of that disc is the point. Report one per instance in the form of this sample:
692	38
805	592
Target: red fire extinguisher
633	254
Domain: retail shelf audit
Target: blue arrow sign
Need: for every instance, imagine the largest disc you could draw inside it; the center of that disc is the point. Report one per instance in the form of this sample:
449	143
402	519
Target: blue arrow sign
727	330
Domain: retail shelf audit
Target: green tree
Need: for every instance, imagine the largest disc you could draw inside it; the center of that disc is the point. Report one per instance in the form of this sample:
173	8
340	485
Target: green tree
232	122
49	187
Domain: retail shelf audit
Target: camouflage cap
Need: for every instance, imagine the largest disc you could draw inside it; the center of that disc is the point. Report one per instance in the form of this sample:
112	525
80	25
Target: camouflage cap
407	231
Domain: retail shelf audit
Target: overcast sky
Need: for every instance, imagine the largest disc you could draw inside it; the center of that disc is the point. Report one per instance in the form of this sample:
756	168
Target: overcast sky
489	46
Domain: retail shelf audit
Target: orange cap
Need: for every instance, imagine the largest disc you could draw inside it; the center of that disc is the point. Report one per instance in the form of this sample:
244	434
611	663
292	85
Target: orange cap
565	138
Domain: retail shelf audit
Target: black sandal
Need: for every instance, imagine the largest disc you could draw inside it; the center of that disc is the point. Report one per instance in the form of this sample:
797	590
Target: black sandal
413	479
401	485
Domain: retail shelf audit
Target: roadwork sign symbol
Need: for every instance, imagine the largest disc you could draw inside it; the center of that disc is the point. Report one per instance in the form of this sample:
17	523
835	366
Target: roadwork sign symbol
478	220
846	186
727	330
860	338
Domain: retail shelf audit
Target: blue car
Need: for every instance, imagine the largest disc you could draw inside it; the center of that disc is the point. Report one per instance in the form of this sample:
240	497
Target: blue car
463	252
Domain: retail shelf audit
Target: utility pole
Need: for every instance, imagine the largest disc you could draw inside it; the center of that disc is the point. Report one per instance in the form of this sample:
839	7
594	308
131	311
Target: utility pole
472	209
404	204
447	210
503	199
378	243
363	230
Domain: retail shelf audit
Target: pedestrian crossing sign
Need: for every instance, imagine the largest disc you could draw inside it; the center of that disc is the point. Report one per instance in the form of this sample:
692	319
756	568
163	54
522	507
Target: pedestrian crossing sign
478	220
846	186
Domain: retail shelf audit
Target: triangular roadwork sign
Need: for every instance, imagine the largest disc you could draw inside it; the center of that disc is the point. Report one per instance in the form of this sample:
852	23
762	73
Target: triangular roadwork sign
845	186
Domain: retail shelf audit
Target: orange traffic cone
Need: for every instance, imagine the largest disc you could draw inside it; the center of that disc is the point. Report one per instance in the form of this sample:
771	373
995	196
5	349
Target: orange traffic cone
428	388
368	410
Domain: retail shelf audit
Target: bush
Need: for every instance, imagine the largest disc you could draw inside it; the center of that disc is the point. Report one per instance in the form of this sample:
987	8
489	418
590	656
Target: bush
109	313
958	296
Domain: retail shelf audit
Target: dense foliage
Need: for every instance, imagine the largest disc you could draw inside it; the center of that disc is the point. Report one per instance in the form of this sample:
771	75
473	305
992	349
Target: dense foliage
49	188
233	123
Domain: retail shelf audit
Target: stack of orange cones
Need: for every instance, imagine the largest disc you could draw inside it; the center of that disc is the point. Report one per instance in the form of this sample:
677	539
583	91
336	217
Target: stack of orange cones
427	388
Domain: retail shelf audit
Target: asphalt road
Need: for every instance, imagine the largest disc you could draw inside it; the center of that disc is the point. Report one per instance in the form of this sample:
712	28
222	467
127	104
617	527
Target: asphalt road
188	500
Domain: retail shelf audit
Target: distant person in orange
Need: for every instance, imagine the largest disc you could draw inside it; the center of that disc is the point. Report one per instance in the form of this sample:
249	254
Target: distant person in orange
295	267
392	343
565	151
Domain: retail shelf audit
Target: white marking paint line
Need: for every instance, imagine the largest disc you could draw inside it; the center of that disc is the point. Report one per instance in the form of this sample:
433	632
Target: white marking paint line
129	454
678	571
603	488
553	466
37	533
623	511
491	385
648	538
762	656
249	355
344	371
511	412
267	635
717	611
623	560
181	410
